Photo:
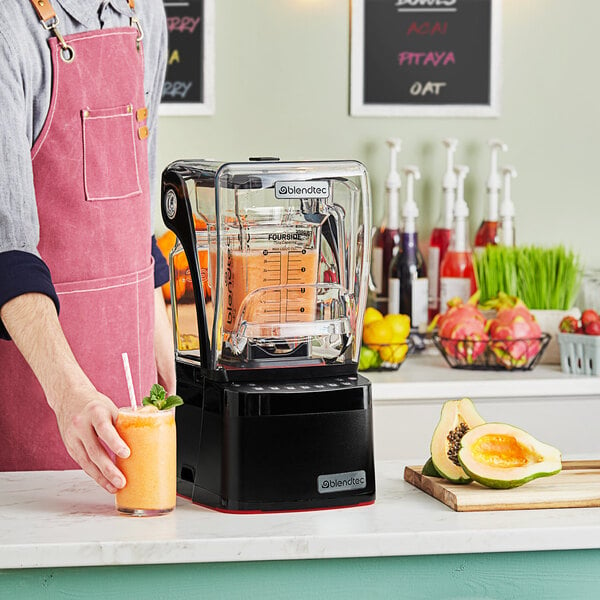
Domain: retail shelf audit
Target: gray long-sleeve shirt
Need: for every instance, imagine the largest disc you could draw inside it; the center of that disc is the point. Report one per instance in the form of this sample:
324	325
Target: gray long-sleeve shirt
25	93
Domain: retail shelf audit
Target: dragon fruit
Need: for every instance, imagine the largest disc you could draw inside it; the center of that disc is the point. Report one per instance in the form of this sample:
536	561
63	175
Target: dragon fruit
462	331
515	336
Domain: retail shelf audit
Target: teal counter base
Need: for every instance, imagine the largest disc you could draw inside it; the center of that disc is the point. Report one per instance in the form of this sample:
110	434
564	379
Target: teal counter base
551	575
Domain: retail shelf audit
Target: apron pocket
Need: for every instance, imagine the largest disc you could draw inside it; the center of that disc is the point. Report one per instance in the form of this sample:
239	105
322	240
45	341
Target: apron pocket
110	168
104	317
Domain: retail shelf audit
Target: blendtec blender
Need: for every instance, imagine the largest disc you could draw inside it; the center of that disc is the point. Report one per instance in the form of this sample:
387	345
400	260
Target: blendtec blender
268	286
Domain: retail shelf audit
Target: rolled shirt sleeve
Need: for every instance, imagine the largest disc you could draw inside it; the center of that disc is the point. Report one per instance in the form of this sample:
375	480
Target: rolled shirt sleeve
22	273
161	269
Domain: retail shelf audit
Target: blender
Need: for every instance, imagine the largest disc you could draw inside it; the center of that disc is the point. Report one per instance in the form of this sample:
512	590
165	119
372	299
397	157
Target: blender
269	279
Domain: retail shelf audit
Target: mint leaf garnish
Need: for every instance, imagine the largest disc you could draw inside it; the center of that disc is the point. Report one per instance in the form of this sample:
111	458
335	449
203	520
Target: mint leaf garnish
158	398
172	401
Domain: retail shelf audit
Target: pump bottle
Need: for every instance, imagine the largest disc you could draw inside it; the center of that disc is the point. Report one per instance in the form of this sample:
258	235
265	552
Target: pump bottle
408	282
387	237
506	228
457	276
488	230
440	236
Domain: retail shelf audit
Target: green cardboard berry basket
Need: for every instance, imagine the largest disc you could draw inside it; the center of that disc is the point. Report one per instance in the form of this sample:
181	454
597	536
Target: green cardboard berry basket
579	353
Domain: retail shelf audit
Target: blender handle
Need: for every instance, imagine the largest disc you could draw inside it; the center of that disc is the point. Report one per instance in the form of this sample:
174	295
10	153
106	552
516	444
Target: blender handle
177	215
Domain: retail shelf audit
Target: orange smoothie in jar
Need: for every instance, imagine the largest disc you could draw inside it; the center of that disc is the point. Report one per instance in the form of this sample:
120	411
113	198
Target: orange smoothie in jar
256	269
150	470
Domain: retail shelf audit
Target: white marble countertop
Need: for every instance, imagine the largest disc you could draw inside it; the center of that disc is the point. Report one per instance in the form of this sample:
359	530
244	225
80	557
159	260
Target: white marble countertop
62	519
428	377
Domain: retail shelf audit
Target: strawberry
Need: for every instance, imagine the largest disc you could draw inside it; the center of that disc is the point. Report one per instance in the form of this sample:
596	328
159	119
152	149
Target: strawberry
592	328
589	316
569	325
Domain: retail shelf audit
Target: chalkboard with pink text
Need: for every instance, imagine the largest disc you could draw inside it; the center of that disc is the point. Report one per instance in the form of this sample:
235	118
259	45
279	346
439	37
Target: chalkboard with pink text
425	58
189	84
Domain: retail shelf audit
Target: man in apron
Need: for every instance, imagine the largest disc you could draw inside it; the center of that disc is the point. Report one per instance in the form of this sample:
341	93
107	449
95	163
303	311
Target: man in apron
80	84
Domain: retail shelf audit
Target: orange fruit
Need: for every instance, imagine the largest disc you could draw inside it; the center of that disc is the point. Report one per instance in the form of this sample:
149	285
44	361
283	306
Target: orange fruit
183	279
165	242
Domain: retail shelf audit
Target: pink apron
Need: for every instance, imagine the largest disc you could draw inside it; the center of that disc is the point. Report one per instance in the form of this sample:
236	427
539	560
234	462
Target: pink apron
90	168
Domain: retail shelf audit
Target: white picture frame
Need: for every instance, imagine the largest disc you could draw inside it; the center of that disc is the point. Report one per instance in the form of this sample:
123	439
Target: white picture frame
207	106
359	108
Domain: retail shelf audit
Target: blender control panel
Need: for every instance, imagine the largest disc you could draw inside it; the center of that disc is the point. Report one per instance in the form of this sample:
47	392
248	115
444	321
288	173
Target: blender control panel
335	383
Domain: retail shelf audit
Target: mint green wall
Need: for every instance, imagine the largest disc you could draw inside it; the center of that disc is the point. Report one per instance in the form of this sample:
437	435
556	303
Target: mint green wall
282	88
524	576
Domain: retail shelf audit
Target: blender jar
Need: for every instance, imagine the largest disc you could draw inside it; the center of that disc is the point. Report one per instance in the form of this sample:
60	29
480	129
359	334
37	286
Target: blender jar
286	260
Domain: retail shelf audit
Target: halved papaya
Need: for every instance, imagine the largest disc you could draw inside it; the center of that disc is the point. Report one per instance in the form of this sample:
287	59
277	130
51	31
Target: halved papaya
498	455
456	419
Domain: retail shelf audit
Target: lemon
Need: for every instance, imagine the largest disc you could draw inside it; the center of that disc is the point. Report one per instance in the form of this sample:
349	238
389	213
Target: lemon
393	353
371	314
399	326
391	329
376	333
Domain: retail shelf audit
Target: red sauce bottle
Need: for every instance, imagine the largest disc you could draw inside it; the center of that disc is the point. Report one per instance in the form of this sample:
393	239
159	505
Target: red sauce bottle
488	230
457	275
439	241
387	238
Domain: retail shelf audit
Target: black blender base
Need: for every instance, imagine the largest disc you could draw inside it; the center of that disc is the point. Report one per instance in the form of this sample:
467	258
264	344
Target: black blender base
208	500
271	447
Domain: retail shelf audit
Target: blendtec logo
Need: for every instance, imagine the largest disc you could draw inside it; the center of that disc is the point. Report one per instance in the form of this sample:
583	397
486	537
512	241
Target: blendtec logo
302	189
431	4
341	482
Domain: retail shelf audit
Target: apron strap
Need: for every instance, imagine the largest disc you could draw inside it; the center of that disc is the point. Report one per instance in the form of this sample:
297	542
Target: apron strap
134	23
50	21
44	9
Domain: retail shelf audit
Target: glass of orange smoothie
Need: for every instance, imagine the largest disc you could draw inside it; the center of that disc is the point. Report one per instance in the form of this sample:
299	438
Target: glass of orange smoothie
150	470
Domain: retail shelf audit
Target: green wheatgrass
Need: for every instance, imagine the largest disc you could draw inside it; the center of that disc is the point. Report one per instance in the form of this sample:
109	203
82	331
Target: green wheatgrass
543	278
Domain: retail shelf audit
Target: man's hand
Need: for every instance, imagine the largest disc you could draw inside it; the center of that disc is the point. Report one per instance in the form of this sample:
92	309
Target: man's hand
163	345
85	416
85	421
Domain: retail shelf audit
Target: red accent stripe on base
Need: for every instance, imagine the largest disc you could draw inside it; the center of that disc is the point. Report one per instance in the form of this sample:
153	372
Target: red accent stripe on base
276	512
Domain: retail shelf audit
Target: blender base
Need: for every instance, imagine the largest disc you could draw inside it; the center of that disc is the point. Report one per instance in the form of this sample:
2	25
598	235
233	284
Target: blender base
274	446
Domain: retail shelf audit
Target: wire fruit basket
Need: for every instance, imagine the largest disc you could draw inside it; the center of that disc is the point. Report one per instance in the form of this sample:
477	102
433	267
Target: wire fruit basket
520	354
384	357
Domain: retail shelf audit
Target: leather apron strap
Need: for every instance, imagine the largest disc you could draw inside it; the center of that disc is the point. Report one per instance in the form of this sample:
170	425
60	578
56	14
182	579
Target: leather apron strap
45	10
47	15
50	21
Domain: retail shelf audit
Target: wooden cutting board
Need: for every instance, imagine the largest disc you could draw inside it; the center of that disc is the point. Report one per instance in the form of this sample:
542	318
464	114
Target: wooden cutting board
577	485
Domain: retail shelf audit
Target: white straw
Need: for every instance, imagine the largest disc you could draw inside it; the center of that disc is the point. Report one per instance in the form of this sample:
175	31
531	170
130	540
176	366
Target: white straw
129	380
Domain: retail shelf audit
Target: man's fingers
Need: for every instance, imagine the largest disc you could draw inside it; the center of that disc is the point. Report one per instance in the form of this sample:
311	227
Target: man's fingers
99	425
98	456
108	434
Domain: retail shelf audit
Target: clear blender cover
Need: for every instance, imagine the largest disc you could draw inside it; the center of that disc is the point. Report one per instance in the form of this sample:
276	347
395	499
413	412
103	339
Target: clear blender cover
283	257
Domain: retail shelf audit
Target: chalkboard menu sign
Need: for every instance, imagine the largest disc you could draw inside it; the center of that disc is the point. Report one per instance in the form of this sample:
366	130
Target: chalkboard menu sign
425	57
189	85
